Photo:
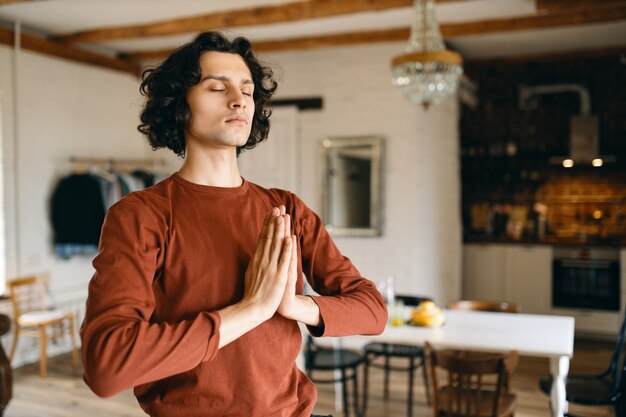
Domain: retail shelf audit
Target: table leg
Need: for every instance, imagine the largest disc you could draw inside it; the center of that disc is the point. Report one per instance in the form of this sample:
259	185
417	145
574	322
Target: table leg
559	367
339	386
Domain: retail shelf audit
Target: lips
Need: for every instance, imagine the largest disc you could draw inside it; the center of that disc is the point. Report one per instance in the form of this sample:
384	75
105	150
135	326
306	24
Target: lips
237	119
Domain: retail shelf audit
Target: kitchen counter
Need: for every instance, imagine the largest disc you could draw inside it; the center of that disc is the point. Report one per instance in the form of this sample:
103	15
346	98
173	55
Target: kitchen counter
522	272
552	241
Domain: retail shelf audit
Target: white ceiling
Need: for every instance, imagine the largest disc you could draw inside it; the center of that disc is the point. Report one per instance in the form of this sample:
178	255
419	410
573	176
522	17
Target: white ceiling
56	17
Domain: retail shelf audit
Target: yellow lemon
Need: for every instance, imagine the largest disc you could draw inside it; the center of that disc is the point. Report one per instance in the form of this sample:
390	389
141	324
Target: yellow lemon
427	306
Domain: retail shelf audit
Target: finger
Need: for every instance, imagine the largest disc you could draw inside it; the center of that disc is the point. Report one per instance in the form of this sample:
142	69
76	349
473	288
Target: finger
279	238
285	257
258	251
287	230
271	232
282	210
293	261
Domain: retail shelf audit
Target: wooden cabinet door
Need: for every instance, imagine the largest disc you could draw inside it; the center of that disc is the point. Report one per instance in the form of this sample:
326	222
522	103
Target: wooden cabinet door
529	278
484	272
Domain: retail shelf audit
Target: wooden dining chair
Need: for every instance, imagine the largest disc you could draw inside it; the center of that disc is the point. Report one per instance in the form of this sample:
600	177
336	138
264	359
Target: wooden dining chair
6	373
467	393
33	317
483	305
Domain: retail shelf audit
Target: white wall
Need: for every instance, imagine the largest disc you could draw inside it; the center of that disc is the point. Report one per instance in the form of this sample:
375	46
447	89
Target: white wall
421	244
63	109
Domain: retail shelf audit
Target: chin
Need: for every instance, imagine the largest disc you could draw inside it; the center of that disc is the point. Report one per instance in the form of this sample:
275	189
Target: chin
237	138
242	142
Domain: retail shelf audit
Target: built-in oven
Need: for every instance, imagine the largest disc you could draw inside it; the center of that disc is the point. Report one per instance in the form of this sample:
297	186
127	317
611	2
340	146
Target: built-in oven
587	278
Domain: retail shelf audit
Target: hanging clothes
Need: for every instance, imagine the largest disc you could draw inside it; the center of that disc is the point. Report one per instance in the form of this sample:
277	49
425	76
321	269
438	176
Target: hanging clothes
77	213
148	178
80	201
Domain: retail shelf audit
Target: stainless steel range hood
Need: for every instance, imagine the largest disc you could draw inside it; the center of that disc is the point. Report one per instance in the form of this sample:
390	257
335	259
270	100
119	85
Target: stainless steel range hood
584	139
584	128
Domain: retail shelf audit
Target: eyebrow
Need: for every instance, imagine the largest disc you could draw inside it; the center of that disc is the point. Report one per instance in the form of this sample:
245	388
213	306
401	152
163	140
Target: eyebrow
224	78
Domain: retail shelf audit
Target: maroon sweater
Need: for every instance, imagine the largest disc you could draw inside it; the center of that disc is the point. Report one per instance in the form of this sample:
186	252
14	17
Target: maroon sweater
173	254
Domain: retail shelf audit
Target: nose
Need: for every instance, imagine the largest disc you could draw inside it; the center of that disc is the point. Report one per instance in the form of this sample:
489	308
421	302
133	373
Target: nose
237	99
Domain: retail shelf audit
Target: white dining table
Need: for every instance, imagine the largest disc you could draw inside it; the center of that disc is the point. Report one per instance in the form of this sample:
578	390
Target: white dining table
529	334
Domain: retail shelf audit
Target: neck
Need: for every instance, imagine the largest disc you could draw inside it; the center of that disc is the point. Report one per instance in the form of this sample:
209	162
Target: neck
217	168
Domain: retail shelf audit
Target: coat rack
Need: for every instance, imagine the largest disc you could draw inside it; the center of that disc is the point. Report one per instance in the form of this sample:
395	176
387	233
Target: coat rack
111	163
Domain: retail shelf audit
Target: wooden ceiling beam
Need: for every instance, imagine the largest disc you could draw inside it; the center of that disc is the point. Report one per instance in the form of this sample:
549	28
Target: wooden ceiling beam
561	6
3	2
309	42
547	57
402	34
291	12
253	16
312	42
47	47
545	21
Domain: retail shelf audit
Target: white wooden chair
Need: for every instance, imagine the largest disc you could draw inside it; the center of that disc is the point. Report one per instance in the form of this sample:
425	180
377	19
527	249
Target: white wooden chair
33	317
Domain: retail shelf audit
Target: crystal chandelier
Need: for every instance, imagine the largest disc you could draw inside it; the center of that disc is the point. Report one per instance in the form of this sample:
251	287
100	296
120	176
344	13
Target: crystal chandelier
427	72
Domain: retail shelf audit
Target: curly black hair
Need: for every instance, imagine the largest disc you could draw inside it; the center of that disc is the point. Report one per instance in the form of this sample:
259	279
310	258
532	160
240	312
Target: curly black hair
166	112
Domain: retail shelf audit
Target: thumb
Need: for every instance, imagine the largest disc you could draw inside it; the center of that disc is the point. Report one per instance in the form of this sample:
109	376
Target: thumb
293	263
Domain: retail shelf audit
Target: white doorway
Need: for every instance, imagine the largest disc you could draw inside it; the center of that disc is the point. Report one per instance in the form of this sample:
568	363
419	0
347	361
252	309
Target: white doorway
3	263
275	163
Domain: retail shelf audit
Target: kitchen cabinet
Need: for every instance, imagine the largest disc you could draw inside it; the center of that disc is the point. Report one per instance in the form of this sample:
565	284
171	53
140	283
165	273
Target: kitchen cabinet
515	273
592	322
523	274
484	272
529	276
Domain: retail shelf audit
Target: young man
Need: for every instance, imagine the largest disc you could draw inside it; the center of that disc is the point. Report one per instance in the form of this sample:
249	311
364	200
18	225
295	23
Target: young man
198	284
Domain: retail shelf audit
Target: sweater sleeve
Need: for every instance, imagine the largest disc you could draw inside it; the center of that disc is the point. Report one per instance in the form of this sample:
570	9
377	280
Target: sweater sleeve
349	303
122	346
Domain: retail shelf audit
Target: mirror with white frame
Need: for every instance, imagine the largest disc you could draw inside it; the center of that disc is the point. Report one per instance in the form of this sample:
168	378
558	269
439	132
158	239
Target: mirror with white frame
352	185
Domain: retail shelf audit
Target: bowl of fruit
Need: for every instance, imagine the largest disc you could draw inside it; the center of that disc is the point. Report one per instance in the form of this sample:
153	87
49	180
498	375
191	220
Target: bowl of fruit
427	314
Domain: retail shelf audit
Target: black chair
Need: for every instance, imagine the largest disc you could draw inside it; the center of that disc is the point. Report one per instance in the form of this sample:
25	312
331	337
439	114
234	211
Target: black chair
387	351
603	389
317	358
